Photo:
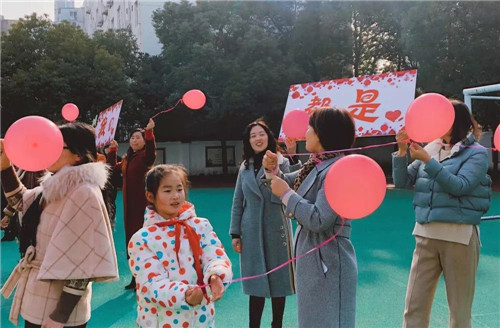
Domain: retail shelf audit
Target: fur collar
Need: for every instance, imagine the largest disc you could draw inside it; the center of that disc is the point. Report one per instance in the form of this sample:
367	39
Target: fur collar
57	186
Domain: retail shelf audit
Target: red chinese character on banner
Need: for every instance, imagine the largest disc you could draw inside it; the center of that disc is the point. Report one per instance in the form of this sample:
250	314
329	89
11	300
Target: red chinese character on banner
316	103
102	131
111	130
365	105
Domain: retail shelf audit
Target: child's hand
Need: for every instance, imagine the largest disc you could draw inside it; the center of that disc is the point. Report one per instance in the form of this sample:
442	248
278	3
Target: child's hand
236	245
217	288
194	296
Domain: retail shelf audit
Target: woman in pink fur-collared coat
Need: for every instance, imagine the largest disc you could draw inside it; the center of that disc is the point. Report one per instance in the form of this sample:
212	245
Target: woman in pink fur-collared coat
66	238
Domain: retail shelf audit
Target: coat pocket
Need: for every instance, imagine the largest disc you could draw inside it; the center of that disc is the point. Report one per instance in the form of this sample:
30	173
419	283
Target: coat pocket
321	264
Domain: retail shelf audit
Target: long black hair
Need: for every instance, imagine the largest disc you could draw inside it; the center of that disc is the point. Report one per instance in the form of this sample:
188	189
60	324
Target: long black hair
248	151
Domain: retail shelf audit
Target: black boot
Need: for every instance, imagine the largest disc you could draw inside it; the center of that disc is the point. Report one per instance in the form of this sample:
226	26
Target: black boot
131	285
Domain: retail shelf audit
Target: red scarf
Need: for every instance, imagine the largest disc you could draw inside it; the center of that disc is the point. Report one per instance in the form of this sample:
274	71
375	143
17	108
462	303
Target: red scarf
194	242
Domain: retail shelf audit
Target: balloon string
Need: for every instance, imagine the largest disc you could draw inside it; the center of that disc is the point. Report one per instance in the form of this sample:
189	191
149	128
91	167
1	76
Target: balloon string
344	150
382	145
289	261
167	110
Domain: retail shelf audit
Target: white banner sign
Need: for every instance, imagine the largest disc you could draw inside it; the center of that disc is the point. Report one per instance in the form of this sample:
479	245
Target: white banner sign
107	121
377	103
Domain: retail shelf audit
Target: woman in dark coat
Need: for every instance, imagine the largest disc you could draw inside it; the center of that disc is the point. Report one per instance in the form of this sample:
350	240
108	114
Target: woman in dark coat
140	156
261	233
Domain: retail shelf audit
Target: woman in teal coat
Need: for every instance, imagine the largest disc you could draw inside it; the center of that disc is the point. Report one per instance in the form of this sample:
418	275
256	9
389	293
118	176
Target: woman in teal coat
259	230
451	192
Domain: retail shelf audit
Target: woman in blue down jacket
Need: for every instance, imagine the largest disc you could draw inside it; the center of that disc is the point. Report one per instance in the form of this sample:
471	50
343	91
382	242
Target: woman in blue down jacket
451	192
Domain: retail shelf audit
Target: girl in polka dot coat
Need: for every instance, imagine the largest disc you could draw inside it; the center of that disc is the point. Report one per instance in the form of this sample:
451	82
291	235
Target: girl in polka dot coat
174	254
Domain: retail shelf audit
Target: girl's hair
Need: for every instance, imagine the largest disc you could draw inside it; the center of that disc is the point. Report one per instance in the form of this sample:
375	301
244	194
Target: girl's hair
158	172
464	123
248	151
130	151
80	140
334	127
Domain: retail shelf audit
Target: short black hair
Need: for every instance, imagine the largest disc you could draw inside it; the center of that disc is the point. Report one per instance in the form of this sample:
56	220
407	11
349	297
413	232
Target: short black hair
334	127
130	151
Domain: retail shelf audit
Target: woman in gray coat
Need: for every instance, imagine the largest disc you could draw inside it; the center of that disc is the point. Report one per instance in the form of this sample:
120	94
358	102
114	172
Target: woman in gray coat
325	279
261	233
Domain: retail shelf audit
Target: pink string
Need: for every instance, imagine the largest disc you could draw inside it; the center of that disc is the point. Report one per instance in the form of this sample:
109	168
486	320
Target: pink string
380	145
167	110
343	221
289	261
347	149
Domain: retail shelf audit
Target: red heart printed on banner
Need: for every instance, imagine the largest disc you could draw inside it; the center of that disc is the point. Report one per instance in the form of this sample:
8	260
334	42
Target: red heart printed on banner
393	115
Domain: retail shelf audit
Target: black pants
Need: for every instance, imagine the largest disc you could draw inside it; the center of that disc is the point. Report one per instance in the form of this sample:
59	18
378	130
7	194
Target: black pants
257	306
28	324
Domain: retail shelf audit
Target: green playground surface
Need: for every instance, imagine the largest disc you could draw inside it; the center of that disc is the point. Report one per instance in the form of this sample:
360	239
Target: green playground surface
384	247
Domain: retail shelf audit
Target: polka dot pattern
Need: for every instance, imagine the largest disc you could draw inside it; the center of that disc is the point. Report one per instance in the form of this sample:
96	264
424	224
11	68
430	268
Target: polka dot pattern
162	280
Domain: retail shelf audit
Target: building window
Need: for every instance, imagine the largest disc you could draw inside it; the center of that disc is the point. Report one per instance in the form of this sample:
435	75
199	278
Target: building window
213	156
160	156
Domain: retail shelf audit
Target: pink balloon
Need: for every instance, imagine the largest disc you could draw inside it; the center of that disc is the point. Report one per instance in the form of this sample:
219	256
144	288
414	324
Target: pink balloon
496	138
70	112
429	117
355	186
194	99
33	143
295	124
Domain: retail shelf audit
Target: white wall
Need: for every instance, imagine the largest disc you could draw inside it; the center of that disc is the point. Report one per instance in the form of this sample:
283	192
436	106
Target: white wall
74	16
103	15
192	155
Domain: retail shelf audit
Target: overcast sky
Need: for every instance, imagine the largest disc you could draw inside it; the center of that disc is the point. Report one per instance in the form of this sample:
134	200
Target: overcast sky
15	9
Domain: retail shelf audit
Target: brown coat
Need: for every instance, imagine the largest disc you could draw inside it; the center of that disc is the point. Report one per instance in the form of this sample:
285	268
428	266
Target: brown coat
134	170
